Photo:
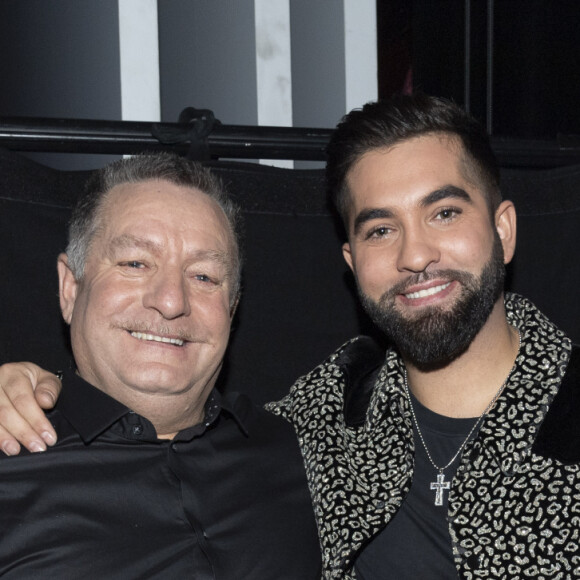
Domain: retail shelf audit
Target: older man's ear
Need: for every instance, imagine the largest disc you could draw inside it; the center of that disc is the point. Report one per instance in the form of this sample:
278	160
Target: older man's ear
67	287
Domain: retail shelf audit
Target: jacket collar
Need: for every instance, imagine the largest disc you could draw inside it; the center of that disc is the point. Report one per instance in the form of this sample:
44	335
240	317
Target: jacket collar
511	427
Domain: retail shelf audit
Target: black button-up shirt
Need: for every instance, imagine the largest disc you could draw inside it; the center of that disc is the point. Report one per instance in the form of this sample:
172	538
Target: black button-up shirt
226	499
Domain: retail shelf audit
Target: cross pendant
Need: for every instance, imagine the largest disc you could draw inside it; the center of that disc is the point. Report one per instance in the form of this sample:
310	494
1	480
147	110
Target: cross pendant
439	486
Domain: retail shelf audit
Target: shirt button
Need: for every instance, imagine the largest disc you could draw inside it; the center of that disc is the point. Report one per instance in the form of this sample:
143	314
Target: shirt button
137	429
175	447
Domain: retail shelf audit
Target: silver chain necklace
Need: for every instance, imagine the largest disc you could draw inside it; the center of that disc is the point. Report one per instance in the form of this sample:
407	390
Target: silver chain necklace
441	485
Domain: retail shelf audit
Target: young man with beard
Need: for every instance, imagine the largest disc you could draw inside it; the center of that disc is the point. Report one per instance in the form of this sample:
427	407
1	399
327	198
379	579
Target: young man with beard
455	453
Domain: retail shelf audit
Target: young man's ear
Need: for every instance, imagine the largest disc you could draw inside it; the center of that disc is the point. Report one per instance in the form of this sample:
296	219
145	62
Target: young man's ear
506	226
67	288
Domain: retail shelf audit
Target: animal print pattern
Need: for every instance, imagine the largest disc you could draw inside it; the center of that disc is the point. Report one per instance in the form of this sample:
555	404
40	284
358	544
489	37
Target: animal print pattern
512	514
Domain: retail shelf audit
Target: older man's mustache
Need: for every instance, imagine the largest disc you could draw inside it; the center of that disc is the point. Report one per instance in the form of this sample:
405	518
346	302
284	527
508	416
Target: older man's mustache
143	331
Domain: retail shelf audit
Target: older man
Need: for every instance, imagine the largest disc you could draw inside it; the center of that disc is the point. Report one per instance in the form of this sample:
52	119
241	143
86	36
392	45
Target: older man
154	474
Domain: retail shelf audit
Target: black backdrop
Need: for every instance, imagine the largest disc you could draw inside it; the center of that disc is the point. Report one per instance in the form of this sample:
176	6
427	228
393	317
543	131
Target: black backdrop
298	302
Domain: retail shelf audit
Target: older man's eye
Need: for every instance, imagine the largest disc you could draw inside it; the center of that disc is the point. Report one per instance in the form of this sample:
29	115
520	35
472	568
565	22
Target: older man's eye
133	264
210	278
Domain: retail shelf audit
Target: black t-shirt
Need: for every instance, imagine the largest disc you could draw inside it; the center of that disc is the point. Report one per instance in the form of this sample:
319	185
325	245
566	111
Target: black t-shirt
226	499
415	544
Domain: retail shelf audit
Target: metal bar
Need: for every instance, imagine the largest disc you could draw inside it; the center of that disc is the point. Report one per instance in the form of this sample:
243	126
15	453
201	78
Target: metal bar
127	137
236	141
538	154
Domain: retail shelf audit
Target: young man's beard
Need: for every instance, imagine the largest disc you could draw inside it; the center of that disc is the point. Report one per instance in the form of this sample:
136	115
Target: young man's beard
435	337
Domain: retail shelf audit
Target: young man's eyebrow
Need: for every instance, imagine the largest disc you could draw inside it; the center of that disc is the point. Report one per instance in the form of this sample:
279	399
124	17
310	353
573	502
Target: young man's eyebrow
367	215
445	192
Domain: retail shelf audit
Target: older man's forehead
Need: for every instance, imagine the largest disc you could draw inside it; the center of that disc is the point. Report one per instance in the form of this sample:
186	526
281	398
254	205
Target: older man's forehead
166	192
123	194
152	246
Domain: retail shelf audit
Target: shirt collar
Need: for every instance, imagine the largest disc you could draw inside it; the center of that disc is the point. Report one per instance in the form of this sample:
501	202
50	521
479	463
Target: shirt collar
90	411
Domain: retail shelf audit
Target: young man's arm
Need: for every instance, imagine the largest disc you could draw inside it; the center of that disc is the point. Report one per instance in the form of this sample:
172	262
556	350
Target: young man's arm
25	390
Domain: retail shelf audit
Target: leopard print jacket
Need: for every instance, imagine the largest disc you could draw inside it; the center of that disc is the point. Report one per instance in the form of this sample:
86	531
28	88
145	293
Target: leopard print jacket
514	506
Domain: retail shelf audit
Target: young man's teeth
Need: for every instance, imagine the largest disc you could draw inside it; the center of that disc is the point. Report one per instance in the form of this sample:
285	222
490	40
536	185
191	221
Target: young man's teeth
428	292
144	336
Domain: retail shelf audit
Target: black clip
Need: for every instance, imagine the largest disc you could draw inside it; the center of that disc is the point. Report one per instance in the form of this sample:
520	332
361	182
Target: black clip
199	124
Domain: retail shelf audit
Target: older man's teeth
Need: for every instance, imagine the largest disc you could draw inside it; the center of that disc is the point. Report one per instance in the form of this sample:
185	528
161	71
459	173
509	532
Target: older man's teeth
144	336
427	292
